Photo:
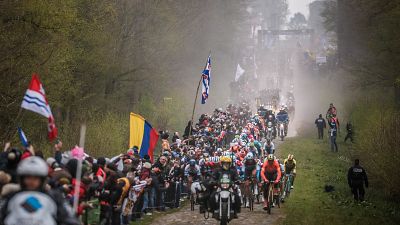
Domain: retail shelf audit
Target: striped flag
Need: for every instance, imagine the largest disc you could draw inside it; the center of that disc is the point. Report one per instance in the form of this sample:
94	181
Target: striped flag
205	80
35	100
142	135
23	138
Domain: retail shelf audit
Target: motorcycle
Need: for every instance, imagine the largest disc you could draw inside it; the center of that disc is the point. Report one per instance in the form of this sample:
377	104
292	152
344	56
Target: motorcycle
281	130
225	199
270	131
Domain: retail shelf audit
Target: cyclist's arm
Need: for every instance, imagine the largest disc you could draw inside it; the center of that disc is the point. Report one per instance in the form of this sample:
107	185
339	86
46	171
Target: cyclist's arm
263	173
278	178
186	173
198	170
294	168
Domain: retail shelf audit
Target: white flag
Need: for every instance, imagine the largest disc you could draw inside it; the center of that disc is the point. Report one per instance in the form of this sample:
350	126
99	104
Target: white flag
239	72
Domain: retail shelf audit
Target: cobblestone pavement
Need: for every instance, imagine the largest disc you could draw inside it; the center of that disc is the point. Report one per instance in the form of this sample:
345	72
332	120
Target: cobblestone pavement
186	217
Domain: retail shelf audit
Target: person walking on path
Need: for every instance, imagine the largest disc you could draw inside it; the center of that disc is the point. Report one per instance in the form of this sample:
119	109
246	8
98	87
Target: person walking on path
349	135
356	178
320	123
333	135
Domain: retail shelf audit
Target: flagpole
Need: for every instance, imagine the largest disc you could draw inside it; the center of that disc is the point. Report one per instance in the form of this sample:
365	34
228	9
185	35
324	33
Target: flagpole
194	106
195	99
79	169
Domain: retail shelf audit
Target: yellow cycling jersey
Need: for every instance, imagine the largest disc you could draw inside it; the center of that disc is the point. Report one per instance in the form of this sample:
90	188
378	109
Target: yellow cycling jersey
290	167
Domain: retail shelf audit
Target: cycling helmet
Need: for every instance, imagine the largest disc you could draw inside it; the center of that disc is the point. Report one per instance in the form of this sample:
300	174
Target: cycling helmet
271	157
225	159
192	162
290	157
249	156
33	166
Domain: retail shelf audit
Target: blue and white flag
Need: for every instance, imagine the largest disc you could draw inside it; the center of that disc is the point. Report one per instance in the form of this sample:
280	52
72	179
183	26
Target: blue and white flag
205	80
22	137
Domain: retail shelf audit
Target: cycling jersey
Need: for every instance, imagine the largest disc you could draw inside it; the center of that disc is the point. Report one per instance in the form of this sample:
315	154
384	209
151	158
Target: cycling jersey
290	167
271	170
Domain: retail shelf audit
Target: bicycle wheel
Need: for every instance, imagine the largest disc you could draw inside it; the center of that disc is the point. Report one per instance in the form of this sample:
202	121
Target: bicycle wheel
287	186
270	198
277	200
251	203
192	202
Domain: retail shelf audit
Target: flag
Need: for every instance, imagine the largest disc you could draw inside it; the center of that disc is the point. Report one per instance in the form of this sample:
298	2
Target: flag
239	72
22	137
205	80
255	66
142	135
35	100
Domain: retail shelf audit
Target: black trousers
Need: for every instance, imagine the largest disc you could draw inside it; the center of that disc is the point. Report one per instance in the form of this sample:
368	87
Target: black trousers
349	136
358	192
320	133
105	214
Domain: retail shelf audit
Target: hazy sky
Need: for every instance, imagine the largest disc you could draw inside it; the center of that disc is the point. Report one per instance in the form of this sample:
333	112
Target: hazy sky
299	6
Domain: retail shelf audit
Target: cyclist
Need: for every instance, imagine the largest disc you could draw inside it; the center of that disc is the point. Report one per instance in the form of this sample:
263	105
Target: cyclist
249	164
290	167
192	170
270	173
33	204
269	147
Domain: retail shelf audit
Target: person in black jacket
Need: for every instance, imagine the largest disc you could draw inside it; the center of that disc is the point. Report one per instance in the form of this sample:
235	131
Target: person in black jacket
356	178
321	125
349	135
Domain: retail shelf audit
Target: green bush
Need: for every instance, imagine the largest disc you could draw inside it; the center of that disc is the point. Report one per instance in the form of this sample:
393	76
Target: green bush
377	143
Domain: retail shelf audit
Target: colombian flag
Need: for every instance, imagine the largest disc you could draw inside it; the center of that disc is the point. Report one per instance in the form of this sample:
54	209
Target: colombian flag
142	135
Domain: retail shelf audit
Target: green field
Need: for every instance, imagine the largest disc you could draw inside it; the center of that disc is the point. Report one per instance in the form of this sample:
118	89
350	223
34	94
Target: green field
310	204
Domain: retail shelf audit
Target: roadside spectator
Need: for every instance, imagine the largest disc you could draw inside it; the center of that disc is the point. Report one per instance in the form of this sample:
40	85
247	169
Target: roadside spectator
321	125
58	151
333	135
349	129
356	178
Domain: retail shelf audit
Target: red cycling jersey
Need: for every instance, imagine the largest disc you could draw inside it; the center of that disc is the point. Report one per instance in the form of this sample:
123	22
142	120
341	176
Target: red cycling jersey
271	169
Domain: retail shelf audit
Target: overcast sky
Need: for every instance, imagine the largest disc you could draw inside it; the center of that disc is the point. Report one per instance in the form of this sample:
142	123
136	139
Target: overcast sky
299	6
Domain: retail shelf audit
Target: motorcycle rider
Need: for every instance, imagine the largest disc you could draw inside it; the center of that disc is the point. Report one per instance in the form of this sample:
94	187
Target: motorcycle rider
33	204
226	168
269	147
283	117
270	173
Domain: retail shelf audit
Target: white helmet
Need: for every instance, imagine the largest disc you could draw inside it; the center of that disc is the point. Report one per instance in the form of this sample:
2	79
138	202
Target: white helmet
249	156
33	166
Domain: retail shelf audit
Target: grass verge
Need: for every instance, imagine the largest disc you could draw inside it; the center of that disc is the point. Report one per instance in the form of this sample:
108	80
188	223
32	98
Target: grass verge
310	204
